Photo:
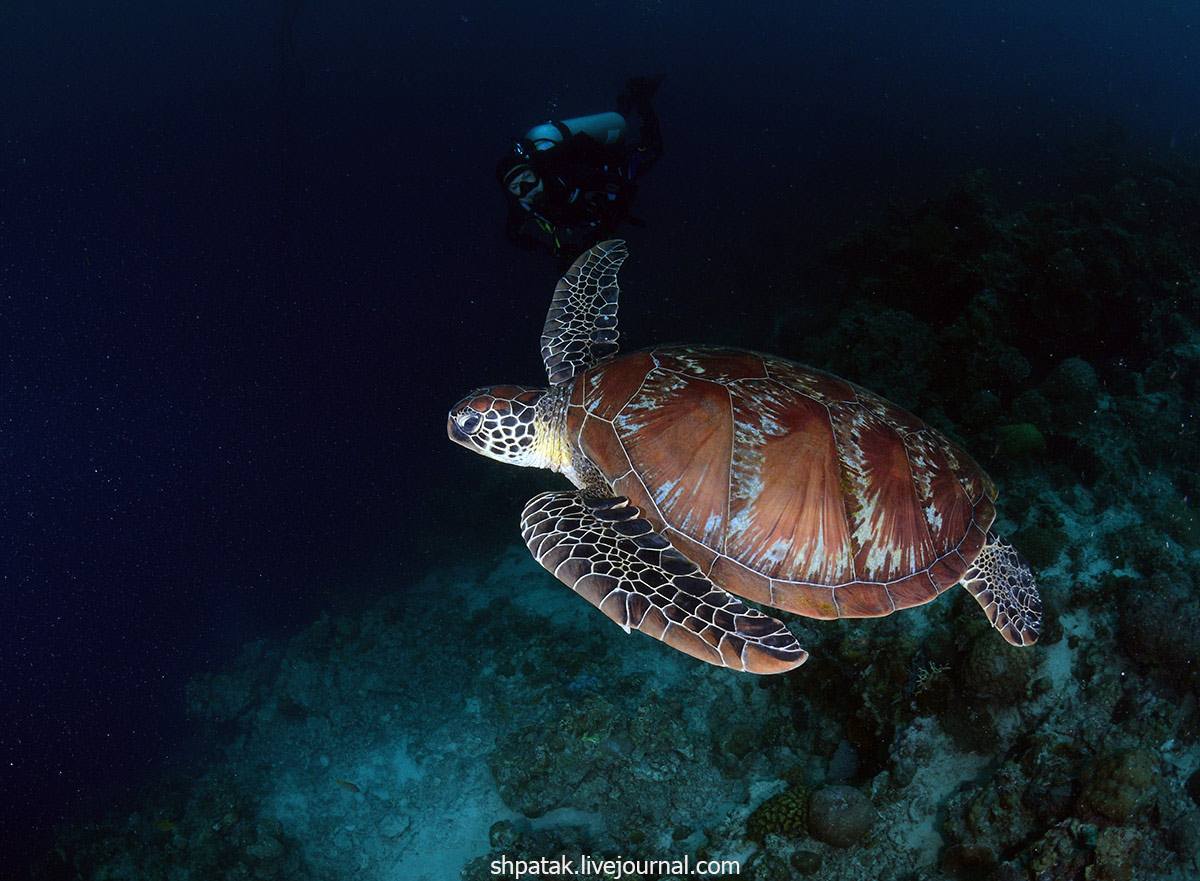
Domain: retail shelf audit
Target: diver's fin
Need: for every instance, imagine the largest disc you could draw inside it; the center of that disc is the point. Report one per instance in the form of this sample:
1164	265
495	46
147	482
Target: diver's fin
638	90
644	86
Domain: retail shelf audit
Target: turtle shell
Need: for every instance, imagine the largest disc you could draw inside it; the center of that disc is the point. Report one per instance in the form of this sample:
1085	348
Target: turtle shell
786	485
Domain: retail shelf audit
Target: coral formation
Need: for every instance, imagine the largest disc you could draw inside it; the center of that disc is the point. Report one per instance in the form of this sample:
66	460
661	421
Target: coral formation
997	670
785	814
1119	786
968	861
1158	627
1021	439
837	815
1072	390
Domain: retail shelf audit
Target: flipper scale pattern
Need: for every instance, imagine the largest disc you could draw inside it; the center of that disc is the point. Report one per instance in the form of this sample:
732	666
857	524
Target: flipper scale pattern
1002	583
604	551
581	325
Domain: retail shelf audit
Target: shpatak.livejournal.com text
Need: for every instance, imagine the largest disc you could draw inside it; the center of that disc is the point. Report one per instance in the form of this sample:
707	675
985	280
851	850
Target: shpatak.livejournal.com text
584	866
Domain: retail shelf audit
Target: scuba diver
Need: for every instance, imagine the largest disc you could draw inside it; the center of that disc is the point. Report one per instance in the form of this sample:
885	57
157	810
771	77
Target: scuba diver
569	183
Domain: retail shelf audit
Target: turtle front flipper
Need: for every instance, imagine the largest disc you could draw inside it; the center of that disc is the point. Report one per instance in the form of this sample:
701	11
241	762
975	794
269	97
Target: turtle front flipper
581	326
1001	582
614	559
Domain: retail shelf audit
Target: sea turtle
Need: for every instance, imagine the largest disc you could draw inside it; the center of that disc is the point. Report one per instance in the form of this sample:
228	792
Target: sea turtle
702	472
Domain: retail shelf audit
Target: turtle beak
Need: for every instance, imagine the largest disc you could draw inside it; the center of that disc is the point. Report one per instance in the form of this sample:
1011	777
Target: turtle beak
456	434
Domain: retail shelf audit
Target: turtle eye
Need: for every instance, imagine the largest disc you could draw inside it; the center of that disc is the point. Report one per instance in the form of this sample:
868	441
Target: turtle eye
470	421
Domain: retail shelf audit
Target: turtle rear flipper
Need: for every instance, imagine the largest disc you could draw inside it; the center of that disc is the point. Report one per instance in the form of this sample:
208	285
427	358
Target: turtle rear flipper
614	559
1001	582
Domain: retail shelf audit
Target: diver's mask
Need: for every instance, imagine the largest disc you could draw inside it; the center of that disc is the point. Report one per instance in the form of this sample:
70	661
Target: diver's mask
522	182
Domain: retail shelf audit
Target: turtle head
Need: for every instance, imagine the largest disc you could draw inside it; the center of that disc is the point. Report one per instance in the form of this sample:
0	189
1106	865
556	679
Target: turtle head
499	422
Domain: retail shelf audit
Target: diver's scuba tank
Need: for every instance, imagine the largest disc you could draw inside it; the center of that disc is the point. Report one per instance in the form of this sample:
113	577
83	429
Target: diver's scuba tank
607	128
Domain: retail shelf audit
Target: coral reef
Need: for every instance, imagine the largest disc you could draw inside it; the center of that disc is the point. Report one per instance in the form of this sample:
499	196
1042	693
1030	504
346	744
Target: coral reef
839	815
222	831
1119	786
785	814
1158	627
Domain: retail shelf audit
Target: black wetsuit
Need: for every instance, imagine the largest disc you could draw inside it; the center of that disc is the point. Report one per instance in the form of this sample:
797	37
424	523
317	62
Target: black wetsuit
587	187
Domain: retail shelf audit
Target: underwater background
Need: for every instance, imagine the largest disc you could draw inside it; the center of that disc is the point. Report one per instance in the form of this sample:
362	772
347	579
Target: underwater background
259	619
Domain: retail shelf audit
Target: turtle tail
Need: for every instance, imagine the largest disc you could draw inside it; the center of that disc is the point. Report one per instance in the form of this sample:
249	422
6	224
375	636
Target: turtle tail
1002	583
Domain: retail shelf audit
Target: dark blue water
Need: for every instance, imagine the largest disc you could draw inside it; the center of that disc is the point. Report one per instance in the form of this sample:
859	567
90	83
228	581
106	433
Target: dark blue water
249	253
